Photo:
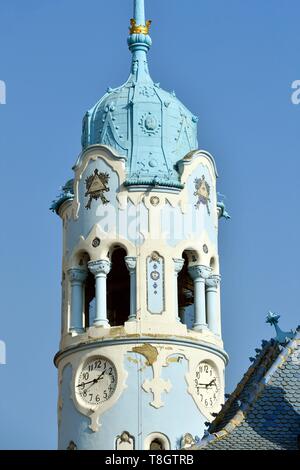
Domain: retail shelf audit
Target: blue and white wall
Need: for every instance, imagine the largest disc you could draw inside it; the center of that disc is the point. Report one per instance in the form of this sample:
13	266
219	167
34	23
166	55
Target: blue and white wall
156	395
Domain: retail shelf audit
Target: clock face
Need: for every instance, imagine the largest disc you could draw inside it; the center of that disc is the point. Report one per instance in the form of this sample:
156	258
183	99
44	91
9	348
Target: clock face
97	380
207	385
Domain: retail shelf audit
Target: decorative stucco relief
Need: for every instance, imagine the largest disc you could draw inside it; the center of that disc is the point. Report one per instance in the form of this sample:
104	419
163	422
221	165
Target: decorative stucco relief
156	359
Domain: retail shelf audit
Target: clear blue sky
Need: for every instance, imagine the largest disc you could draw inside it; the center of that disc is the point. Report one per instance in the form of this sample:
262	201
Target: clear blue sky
232	63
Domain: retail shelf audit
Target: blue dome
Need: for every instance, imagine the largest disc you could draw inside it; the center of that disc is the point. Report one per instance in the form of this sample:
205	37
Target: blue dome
150	127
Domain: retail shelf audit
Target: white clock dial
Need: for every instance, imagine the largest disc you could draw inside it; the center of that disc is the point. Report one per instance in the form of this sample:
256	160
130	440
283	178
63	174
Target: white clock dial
97	381
207	385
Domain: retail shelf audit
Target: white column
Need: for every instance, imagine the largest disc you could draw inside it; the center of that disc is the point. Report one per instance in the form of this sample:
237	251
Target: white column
131	266
77	277
178	265
199	274
100	269
213	311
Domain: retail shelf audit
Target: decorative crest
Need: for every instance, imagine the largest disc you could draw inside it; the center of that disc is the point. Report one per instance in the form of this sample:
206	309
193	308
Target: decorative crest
139	29
96	185
202	192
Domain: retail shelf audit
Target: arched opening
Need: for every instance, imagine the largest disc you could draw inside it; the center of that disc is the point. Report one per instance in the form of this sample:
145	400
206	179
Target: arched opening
186	293
89	292
157	441
118	289
156	444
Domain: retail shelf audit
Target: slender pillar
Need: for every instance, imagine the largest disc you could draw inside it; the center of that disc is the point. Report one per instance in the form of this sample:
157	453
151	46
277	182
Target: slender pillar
77	277
178	265
213	311
199	274
100	269
131	266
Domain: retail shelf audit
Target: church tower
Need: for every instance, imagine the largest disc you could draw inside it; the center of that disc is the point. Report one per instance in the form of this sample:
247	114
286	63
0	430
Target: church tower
141	360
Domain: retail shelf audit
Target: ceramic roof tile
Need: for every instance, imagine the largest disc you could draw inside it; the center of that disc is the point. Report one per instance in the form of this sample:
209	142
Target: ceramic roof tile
269	396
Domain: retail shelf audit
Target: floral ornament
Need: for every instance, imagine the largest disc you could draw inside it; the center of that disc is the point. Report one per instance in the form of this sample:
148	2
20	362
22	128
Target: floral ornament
149	124
202	192
96	185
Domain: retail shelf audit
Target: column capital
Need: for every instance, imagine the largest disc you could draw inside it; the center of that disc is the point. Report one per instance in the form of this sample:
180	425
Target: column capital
199	272
178	262
213	281
98	267
130	263
77	275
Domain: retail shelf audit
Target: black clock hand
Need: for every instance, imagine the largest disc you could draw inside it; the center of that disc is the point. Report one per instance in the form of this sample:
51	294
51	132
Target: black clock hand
101	375
97	380
86	383
206	385
210	383
94	381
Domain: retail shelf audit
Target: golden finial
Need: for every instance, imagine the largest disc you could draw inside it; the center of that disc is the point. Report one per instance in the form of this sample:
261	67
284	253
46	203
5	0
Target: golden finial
139	29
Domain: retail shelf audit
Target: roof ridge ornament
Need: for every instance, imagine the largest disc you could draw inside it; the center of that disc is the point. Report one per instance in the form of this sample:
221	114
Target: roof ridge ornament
281	336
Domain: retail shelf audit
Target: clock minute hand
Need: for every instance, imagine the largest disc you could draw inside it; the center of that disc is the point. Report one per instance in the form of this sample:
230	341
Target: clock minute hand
210	383
100	376
95	381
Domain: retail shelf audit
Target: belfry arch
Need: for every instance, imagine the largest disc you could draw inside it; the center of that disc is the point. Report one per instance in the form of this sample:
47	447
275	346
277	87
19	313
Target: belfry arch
186	290
118	288
89	292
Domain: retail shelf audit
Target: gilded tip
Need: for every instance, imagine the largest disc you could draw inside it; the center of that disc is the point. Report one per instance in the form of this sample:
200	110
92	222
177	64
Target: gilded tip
139	29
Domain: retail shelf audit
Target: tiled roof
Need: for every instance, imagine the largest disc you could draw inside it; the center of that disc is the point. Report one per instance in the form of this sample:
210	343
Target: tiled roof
264	410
